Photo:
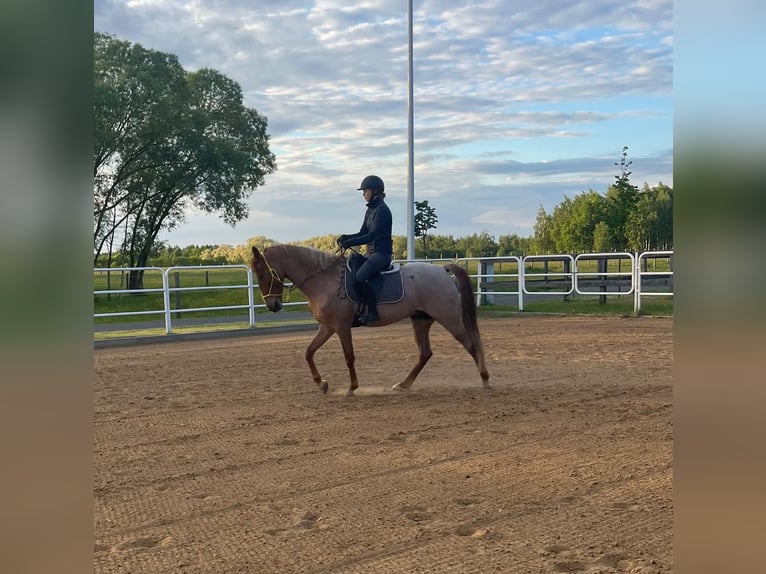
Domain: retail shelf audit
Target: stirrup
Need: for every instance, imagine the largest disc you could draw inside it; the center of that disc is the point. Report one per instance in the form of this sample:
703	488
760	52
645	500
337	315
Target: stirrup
366	319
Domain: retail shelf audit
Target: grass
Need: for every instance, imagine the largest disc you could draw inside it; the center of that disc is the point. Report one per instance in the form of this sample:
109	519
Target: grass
588	305
203	328
136	302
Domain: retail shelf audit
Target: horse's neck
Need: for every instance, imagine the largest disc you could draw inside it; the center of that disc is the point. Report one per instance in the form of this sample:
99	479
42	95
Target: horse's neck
293	269
299	269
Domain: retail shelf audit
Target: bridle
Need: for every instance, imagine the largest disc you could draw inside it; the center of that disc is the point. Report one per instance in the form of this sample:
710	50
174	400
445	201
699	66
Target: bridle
274	278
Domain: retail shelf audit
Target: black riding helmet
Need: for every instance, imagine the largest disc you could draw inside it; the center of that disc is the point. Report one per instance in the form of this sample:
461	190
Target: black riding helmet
372	182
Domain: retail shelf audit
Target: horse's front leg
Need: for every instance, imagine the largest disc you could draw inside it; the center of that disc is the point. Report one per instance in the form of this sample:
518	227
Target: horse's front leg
320	339
344	334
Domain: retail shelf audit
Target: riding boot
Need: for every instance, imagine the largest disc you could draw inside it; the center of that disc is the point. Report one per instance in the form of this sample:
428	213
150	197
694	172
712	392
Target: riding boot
368	295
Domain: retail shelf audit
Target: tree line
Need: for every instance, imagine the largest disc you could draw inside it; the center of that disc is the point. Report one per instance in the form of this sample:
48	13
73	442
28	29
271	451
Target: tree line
440	247
623	219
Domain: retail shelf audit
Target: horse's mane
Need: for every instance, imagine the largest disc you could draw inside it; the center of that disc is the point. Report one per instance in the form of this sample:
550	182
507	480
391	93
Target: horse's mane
312	260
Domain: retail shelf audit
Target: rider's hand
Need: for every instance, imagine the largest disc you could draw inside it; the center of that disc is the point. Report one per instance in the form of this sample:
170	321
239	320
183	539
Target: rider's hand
341	240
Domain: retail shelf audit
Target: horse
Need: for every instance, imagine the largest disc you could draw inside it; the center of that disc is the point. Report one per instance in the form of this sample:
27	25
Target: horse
430	295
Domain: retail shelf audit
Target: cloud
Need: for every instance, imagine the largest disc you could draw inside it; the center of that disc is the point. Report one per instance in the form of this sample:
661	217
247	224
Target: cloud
514	105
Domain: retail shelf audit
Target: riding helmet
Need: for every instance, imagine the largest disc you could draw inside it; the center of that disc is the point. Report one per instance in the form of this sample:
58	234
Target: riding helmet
372	182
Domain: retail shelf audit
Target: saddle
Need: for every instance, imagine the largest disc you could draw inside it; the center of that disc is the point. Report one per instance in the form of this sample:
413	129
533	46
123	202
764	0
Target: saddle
387	285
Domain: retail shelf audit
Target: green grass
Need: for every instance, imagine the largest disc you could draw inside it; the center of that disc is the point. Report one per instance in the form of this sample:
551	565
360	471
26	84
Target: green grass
232	326
136	302
588	305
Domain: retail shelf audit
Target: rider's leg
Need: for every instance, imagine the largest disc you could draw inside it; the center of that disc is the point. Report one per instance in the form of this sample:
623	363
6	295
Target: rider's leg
374	264
371	314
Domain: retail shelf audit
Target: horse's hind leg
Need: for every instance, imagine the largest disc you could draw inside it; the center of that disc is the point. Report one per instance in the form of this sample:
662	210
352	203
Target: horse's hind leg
475	349
422	328
320	339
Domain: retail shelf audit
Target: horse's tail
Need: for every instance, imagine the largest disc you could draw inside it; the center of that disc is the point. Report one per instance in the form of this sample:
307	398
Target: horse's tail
468	303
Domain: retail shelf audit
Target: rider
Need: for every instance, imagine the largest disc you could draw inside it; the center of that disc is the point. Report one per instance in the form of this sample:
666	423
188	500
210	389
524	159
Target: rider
376	233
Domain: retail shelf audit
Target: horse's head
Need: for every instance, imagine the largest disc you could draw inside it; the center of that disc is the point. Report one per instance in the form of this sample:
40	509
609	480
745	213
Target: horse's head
269	281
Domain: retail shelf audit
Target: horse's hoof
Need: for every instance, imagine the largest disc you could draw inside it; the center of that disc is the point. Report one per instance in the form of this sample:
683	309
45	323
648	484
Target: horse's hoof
486	385
349	393
399	387
324	388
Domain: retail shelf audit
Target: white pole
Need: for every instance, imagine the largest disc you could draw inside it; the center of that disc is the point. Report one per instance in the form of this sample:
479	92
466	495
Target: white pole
410	151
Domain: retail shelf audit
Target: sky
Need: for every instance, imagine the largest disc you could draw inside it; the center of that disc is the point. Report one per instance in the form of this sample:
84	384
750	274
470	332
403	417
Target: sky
516	103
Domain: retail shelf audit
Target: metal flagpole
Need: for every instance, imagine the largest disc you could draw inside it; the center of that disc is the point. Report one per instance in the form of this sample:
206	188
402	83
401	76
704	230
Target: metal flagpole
410	151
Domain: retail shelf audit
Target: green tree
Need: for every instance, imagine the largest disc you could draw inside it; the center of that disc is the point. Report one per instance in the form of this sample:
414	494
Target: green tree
166	141
621	199
602	240
135	109
425	220
650	224
513	245
662	233
478	245
327	242
400	246
589	211
259	241
443	246
561	231
542	242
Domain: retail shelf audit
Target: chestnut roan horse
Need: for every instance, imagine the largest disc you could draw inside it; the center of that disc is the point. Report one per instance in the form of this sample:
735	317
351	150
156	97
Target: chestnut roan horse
430	294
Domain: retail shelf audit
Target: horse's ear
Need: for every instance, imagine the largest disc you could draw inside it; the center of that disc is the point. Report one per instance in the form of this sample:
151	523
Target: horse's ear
256	253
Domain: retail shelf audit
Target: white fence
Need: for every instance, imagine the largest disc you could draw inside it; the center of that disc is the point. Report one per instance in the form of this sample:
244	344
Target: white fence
573	275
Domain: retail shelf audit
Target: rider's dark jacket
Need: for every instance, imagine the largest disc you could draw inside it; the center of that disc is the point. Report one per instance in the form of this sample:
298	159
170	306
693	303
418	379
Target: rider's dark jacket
376	228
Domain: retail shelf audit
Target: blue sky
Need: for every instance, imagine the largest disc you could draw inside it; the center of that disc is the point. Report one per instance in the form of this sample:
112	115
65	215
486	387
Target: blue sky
517	104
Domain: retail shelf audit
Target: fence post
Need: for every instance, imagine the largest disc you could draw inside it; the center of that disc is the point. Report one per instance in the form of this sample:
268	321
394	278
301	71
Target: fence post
487	273
601	263
177	281
636	277
567	269
166	301
250	297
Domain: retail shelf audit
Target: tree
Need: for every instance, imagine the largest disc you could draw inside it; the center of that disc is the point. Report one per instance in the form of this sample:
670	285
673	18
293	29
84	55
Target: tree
601	239
621	199
478	245
327	242
259	241
400	246
663	196
443	246
513	245
135	108
590	209
561	227
650	224
542	242
425	219
168	140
